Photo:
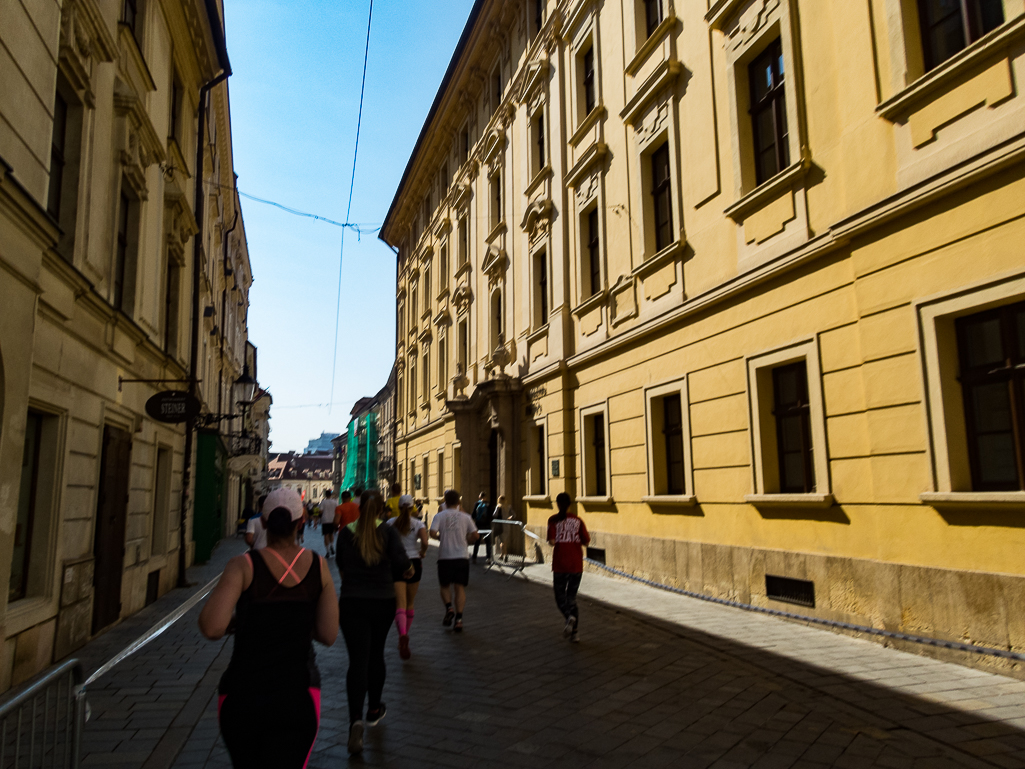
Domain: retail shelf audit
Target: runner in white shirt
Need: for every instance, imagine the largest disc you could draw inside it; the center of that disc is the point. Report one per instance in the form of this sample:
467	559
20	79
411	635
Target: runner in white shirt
414	538
455	530
256	529
327	517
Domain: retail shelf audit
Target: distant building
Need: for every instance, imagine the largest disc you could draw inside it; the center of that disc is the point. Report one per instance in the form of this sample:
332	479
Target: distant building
323	443
308	473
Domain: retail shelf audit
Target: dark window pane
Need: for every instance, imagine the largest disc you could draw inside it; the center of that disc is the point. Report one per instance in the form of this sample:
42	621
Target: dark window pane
57	151
991	405
589	97
997	460
768	113
983	342
598	427
652	14
594	252
673	430
662	194
793	429
26	508
1020	332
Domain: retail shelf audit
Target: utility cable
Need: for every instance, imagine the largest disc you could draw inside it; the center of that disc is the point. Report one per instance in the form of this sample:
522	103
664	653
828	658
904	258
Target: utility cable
360	229
348	210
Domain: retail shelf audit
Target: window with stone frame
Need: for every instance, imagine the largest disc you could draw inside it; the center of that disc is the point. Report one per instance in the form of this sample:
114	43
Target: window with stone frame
540	289
539	149
495	184
588	83
653	15
539	16
58	150
130	15
792	413
949	26
172	306
592	253
595	454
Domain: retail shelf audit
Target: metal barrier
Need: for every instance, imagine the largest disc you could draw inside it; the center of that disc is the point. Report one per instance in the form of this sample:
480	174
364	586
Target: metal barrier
41	725
527	533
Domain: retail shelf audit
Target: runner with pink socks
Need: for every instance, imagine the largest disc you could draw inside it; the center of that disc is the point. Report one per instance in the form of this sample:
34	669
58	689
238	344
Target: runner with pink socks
414	539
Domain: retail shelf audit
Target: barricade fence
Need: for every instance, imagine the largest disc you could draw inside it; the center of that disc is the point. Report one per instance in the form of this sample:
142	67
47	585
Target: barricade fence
41	725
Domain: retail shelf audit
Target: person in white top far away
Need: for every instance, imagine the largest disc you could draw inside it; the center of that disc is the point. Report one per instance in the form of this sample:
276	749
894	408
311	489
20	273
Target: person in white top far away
455	531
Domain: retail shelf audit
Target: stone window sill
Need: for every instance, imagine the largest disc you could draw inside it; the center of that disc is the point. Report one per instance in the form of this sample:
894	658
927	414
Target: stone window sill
596	500
592	117
974	500
768	190
944	76
649	45
790	500
537	499
671	500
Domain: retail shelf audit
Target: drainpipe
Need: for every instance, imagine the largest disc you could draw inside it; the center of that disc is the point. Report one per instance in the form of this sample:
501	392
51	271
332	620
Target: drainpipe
224	310
197	254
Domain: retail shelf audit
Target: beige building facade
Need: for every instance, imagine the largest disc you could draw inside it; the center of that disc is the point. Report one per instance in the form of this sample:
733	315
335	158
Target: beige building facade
99	126
745	278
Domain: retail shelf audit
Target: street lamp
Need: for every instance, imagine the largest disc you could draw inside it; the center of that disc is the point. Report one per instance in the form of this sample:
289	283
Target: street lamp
244	387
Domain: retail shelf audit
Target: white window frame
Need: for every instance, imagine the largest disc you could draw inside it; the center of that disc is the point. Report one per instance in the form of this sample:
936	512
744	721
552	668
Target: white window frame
541	251
765	476
532	469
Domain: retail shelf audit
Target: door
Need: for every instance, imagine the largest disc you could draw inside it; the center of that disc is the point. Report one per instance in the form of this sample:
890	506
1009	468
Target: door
111	515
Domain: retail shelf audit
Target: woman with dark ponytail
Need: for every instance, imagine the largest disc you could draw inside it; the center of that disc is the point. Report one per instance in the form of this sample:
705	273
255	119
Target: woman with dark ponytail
373	563
283	599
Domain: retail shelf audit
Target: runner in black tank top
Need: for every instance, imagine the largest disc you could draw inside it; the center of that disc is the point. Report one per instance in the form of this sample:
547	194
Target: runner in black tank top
269	704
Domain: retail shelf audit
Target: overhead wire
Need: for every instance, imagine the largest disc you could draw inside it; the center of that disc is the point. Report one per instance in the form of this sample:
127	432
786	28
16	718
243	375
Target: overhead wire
348	210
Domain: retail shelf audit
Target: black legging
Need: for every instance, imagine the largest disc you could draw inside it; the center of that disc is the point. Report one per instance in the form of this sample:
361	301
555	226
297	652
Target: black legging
365	623
566	587
281	741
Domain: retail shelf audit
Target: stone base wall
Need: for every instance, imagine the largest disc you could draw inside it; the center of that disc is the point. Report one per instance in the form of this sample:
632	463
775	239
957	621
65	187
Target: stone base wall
980	608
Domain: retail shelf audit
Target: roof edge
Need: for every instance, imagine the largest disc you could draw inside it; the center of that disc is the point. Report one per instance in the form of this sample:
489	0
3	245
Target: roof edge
446	81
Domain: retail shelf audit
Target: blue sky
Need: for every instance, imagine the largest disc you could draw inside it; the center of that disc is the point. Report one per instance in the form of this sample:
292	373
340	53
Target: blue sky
294	100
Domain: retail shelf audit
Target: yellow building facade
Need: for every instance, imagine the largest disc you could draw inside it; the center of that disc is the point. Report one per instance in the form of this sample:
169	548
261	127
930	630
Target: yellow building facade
746	279
99	131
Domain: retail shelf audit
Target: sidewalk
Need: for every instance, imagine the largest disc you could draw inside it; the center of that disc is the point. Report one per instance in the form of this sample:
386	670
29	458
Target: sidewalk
658	680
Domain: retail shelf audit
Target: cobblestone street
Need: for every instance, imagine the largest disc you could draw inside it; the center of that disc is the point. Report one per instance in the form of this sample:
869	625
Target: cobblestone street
669	681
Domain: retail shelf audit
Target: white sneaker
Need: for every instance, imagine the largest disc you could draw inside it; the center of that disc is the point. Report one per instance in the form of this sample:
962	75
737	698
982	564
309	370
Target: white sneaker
570	624
356	737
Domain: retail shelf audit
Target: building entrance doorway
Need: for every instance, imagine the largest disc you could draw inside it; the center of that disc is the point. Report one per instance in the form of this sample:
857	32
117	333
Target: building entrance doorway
111	518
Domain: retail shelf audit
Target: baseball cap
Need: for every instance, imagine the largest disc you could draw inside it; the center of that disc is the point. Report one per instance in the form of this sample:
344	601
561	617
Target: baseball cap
406	500
285	498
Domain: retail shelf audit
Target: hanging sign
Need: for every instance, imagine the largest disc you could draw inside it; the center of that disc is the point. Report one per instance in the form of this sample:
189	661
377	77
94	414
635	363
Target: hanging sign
172	406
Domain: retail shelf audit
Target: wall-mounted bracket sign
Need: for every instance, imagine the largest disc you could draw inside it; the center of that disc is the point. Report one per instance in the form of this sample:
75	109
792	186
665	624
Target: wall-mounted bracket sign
172	406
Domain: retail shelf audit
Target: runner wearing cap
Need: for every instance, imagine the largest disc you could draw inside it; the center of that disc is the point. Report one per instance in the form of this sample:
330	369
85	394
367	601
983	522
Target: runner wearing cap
414	539
282	598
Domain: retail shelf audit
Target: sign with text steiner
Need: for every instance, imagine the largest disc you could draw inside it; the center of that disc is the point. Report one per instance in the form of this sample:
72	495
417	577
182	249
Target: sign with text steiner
172	406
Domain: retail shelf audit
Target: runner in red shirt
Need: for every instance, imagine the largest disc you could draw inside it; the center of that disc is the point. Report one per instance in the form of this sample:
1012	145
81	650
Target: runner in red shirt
567	534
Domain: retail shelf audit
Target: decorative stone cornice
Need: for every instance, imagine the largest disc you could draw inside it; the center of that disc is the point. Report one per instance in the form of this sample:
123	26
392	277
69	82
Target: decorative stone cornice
495	264
84	37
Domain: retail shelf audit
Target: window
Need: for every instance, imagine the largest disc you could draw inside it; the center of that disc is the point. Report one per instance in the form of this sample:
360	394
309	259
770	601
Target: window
172	303
661	192
496	200
441	474
539	16
442	365
176	98
121	259
769	113
464	346
443	267
991	354
35	500
427	290
593	253
949	26
668	434
496	320
590	99
57	156
788	435
538	131
595	456
130	13
496	88
464	242
412	384
792	412
541	289
652	15
414	305
540	472
672	433
464	145
427	374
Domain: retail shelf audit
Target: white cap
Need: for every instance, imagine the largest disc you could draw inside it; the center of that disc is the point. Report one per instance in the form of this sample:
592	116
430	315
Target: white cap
285	498
406	500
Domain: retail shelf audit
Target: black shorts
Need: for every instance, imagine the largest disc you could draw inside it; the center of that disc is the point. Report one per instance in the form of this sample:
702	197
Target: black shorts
454	570
327	528
418	571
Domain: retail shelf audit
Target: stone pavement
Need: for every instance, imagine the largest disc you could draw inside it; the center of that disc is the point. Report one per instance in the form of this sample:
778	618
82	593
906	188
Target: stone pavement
657	680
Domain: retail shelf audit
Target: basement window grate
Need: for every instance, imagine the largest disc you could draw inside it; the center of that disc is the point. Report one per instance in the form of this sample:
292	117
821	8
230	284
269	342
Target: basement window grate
152	587
596	554
798	591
